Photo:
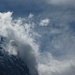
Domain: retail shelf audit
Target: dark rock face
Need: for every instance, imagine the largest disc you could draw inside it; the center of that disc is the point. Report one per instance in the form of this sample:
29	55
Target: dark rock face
11	65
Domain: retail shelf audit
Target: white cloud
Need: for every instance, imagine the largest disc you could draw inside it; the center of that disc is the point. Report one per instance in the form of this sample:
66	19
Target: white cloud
62	2
30	15
16	32
19	32
61	49
44	22
52	66
55	31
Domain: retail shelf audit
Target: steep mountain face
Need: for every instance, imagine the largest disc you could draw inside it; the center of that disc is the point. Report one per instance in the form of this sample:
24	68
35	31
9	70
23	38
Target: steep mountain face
10	64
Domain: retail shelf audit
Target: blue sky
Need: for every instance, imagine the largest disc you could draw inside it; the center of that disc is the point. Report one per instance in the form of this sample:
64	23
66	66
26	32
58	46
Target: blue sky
22	7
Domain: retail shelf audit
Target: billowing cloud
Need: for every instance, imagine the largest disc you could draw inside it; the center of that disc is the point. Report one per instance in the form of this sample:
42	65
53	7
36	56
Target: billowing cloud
18	40
51	54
